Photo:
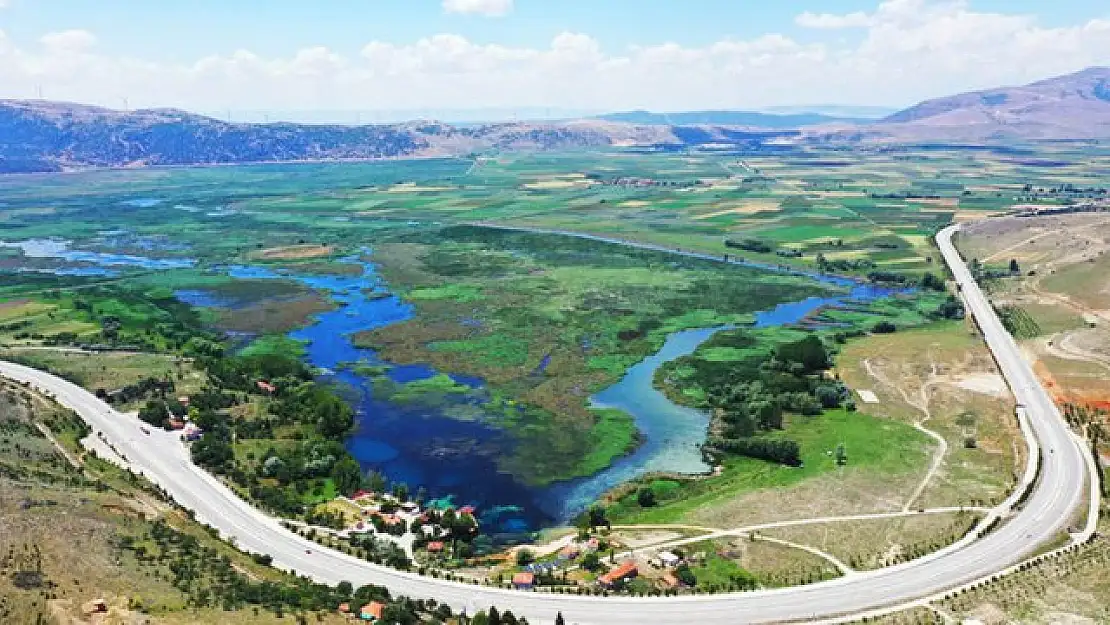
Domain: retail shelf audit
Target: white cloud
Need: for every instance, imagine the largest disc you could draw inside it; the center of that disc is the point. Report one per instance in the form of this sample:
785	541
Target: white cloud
908	50
492	8
829	21
69	40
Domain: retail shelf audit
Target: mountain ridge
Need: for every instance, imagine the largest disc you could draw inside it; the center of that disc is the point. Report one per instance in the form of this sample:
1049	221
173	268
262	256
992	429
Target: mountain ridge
45	136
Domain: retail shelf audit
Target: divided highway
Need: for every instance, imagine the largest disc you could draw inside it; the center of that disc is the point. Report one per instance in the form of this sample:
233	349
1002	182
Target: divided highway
1049	507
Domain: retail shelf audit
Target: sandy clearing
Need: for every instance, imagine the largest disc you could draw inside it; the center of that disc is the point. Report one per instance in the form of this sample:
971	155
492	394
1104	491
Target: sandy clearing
412	187
555	184
868	396
634	204
294	252
985	384
838	194
747	208
948	202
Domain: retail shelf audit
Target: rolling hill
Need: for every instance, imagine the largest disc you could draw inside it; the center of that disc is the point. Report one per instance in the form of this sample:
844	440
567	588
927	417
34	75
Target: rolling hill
1075	106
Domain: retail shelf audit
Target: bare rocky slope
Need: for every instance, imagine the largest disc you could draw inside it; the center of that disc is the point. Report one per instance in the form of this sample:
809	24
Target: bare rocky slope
1075	106
40	136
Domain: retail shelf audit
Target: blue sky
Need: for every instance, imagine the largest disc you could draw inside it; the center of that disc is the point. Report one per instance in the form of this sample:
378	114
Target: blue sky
185	30
593	54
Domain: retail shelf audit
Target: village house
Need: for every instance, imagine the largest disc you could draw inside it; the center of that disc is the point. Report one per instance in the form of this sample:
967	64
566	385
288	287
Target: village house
263	385
435	546
371	612
666	560
619	576
524	581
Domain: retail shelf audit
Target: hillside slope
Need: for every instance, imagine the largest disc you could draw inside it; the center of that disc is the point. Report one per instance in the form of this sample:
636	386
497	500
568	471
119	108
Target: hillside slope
1075	106
39	136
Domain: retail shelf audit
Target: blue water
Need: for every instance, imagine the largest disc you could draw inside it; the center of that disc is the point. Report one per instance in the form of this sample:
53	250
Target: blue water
59	249
672	433
419	445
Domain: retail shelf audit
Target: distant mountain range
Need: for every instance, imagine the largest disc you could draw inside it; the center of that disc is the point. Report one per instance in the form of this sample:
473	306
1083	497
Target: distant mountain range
40	136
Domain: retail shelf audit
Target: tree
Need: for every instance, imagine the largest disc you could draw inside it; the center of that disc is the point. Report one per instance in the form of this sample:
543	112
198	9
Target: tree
401	491
524	557
884	327
375	481
1015	268
810	352
828	395
645	497
976	269
334	418
347	475
841	455
686	576
932	282
559	619
597	517
591	561
154	413
213	452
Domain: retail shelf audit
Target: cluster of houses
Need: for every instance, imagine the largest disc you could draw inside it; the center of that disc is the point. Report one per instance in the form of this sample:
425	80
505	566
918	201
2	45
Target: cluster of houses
189	431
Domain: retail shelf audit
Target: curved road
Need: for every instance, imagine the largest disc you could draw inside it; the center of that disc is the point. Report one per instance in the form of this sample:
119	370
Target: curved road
1057	494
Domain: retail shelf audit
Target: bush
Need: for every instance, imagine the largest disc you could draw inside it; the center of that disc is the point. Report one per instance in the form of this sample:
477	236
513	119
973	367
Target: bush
782	451
884	327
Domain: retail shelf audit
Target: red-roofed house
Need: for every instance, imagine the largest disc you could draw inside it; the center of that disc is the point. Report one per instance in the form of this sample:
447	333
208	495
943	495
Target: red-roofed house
371	612
619	575
263	385
344	608
435	546
524	581
467	510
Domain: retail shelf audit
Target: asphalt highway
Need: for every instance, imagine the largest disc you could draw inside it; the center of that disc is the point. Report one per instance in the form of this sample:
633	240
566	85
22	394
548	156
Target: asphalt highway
1056	495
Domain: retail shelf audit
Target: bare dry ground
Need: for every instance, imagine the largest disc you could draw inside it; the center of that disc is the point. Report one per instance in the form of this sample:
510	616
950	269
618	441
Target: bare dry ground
294	252
876	543
942	377
62	529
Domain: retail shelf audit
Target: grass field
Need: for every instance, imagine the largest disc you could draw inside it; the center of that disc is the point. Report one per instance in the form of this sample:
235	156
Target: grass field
753	491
